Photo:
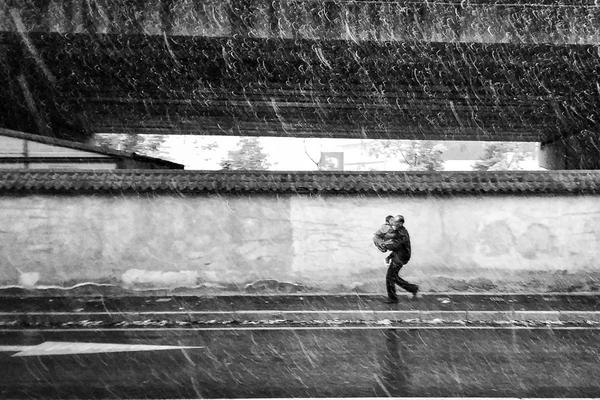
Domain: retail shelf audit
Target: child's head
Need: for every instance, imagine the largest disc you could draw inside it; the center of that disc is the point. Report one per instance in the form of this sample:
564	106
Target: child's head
388	219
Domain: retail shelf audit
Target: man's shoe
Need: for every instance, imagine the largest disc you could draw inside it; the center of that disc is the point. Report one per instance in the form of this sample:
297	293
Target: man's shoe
414	292
391	301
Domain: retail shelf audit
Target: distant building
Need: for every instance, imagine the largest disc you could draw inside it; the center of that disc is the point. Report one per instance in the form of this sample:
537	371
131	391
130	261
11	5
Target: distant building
457	156
358	157
25	150
332	161
461	156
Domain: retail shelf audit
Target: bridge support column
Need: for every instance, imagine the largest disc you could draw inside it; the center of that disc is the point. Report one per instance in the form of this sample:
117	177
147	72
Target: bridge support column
581	151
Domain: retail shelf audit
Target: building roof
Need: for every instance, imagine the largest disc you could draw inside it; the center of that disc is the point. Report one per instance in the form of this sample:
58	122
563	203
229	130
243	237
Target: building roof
331	182
89	148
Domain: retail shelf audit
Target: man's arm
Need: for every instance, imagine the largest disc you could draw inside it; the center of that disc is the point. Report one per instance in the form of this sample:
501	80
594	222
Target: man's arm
391	244
399	242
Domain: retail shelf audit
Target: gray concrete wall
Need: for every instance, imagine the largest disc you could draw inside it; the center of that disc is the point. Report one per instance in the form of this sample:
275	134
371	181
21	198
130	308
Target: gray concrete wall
426	21
497	243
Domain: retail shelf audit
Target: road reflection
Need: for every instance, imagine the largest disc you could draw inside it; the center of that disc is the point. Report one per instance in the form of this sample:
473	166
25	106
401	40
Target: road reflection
395	371
309	362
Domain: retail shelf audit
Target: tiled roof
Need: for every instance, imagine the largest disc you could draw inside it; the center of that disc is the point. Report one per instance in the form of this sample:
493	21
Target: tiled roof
262	182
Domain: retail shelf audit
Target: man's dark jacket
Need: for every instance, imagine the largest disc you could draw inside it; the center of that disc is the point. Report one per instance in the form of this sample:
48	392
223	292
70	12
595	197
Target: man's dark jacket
400	245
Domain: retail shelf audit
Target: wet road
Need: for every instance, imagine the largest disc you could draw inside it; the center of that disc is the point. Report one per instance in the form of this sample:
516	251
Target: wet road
309	362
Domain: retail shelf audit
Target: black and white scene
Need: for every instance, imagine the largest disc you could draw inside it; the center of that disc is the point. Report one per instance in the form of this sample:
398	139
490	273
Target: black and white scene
307	199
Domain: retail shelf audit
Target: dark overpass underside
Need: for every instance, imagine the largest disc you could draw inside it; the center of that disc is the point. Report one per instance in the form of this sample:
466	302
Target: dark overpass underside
298	87
390	69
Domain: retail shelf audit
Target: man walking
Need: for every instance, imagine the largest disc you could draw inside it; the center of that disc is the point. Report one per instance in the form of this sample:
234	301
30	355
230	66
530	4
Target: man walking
399	244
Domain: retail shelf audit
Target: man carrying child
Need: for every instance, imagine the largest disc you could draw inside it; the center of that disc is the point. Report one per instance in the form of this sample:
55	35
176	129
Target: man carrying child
393	236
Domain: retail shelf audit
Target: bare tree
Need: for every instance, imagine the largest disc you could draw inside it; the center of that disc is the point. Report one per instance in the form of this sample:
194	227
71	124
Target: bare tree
501	156
142	144
420	155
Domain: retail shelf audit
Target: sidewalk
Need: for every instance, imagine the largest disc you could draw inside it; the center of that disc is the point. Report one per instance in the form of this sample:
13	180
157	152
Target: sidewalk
30	312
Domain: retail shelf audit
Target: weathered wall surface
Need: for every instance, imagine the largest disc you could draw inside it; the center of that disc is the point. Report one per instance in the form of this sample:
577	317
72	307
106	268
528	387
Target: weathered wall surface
516	243
459	243
144	241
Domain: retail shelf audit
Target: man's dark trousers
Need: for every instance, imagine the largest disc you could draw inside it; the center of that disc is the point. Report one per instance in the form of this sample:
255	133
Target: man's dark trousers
392	279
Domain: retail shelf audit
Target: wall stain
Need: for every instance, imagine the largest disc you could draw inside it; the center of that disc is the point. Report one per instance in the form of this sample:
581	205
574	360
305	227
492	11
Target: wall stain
538	239
591	227
496	239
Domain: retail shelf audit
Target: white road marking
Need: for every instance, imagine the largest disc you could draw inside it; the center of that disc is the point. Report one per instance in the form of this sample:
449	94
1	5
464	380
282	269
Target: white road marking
310	328
397	398
64	348
362	295
248	312
283	312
